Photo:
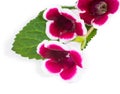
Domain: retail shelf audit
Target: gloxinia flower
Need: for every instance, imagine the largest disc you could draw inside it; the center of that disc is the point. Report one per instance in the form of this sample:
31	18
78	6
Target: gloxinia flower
59	58
97	11
62	24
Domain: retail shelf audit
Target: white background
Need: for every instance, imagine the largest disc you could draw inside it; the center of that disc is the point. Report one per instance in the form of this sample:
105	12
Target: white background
19	75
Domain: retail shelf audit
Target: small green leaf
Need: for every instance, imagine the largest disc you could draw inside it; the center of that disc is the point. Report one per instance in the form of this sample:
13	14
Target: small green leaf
89	37
29	37
84	40
69	7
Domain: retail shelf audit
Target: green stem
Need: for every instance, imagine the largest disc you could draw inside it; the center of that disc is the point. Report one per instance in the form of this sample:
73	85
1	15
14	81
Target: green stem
89	31
82	39
69	7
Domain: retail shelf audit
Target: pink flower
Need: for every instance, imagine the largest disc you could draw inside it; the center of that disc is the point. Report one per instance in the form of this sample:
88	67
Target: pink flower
59	58
62	24
97	11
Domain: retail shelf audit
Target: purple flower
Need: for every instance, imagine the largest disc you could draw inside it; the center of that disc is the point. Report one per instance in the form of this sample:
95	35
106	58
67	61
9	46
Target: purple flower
62	24
59	58
97	11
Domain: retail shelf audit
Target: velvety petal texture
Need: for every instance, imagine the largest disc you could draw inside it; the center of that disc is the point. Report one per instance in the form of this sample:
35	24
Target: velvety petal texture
59	58
97	11
68	73
62	24
53	66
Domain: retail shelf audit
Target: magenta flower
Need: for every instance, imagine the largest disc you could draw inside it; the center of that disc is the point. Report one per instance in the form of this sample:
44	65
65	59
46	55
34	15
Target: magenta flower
97	11
60	59
62	24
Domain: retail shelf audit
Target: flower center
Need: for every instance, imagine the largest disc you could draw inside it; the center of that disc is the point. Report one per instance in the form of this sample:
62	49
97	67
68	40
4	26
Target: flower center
99	8
64	24
62	57
58	55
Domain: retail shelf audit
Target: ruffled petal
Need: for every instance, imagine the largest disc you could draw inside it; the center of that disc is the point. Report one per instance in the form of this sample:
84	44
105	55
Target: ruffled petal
68	73
67	35
53	66
101	20
41	50
76	57
56	46
52	49
83	4
112	5
51	14
68	16
52	32
78	29
86	17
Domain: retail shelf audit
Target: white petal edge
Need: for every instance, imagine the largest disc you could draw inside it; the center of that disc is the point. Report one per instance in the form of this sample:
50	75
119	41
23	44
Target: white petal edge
46	11
63	46
67	40
97	26
45	70
47	31
40	44
75	14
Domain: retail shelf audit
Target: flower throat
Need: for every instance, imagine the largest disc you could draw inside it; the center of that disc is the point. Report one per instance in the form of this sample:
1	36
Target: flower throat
99	8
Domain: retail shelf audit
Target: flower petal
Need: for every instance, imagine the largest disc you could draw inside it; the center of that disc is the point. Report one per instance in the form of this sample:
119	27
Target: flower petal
86	17
78	29
68	73
76	57
112	5
51	31
55	45
72	15
101	20
83	4
51	14
68	16
67	35
53	66
41	50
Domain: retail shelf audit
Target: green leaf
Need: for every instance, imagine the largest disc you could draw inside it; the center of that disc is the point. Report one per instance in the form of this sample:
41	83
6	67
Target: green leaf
29	37
89	37
84	40
69	7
